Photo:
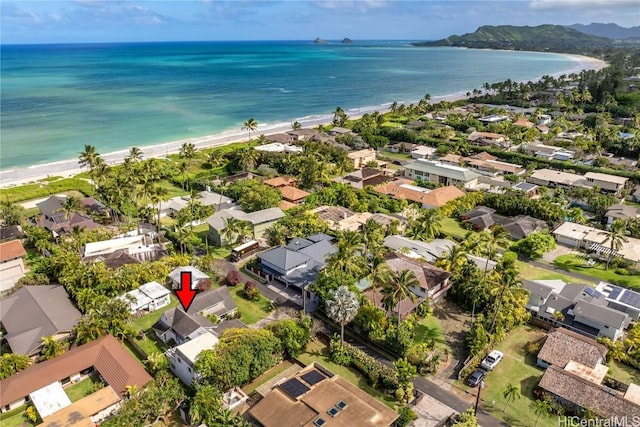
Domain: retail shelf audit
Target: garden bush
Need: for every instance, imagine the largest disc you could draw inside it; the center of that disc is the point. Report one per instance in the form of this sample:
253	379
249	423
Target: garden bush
251	290
233	278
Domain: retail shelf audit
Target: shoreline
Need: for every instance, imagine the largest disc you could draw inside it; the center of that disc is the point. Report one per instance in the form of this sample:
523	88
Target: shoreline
68	168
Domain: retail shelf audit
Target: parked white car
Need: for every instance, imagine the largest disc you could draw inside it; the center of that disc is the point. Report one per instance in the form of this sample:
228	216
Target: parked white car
491	360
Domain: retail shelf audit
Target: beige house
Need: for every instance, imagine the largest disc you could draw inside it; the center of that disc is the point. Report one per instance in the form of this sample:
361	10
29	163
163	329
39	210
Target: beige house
11	264
441	173
488	138
606	182
361	157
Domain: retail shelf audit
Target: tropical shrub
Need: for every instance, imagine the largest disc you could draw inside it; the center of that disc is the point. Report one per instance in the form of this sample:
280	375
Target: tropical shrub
251	290
233	278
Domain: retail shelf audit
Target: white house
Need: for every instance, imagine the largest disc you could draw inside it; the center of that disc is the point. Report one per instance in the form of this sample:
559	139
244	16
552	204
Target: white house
197	276
441	174
183	358
148	297
141	247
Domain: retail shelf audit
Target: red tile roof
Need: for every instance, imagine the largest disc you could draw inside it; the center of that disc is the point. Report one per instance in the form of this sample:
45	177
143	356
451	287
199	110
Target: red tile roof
11	250
292	194
280	181
118	368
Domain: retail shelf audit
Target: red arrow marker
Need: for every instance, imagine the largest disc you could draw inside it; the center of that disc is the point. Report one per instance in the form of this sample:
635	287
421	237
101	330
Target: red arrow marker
185	293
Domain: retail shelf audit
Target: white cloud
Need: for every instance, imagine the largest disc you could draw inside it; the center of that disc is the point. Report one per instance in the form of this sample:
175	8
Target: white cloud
580	4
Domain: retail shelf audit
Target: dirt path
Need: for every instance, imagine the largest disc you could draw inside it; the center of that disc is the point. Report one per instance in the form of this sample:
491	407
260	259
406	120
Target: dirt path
454	323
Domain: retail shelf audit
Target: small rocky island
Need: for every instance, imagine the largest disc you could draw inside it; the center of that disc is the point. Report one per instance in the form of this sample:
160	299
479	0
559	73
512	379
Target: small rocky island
347	40
319	40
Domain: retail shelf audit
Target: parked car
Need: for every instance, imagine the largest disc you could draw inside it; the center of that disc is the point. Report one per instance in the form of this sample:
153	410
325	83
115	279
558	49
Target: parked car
476	377
491	360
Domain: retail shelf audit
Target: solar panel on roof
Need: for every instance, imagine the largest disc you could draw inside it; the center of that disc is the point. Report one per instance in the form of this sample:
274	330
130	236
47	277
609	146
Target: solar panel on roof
592	292
333	412
615	292
630	298
313	377
319	422
294	387
341	405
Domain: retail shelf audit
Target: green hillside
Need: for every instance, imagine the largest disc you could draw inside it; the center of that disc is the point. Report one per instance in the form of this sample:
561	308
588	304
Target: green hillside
541	38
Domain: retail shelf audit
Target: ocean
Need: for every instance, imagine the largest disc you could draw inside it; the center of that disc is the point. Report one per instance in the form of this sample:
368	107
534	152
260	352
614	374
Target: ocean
54	99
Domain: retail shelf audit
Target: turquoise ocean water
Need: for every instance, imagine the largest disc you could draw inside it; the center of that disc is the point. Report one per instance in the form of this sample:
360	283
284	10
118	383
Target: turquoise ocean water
57	98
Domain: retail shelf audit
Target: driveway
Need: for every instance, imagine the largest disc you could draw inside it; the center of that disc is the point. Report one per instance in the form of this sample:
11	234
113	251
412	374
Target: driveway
558	251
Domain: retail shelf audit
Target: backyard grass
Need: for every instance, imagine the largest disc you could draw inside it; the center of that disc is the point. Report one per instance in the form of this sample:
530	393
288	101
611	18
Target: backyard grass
144	322
429	322
623	373
172	189
149	345
451	227
250	311
530	272
15	418
317	351
81	389
279	368
572	262
395	156
519	369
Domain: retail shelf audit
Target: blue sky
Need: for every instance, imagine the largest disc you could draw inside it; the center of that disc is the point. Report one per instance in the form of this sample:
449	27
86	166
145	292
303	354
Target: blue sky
139	20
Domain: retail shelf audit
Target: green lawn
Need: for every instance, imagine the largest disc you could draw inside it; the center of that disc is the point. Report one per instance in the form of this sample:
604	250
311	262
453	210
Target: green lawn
395	156
451	227
520	370
15	418
279	368
429	322
250	311
149	345
144	322
530	272
317	351
81	389
624	373
171	188
572	262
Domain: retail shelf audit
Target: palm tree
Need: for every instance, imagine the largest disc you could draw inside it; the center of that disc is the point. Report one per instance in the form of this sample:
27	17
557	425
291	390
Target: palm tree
296	125
339	117
188	152
511	392
616	235
342	307
51	348
492	240
159	195
542	407
135	154
88	158
247	158
276	234
453	260
70	205
250	125
346	259
379	272
397	289
234	227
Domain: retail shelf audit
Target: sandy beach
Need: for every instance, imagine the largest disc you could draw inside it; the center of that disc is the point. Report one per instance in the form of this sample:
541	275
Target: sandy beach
68	168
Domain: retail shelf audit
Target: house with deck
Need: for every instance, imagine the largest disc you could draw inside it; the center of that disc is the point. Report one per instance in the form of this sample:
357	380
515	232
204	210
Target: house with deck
441	174
147	298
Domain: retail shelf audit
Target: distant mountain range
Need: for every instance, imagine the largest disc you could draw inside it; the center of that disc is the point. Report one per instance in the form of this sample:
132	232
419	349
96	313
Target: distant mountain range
552	38
612	31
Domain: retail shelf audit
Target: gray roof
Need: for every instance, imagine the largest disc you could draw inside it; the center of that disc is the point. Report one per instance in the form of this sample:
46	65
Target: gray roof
320	236
50	205
429	251
196	274
319	251
182	323
209	198
227	324
622	212
298	243
207	299
284	258
538	289
602	315
34	312
441	169
524	186
217	220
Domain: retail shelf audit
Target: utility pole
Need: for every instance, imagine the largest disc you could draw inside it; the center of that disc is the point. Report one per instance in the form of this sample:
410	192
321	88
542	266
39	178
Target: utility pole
475	411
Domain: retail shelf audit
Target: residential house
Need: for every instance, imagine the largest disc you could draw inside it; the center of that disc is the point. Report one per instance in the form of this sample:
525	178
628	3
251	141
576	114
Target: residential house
281	138
402	188
556	179
441	173
523	122
340	218
94	206
493	118
314	396
281	181
54	219
218	201
607	183
550	152
199	280
177	325
402	147
488	138
361	157
423	152
360	178
259	220
563	346
293	195
34	312
576	307
531	190
621	299
278	147
147	298
482	218
12	266
114	260
299	263
584	237
216	302
43	383
486	164
621	212
338	130
575	388
183	358
142	247
11	232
